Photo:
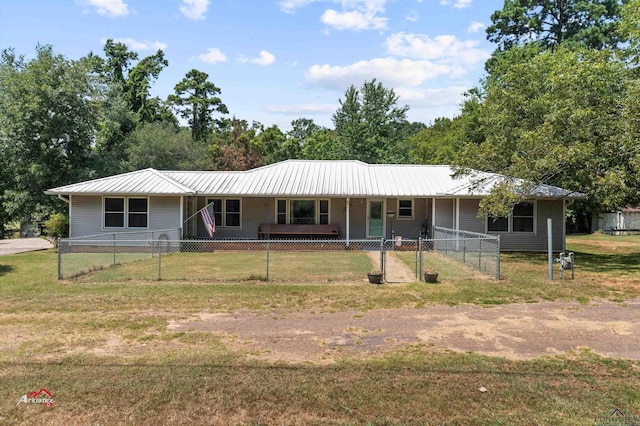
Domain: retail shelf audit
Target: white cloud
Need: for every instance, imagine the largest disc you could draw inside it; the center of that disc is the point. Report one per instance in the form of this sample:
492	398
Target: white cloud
265	58
412	16
111	8
459	4
353	20
212	56
475	26
354	15
138	45
444	48
302	109
391	71
431	97
194	9
289	6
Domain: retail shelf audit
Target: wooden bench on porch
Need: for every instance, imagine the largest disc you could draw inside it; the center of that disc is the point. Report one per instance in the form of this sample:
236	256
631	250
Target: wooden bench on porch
273	229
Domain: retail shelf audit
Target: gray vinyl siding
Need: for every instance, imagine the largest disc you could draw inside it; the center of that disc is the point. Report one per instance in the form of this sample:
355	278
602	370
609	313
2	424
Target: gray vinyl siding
445	209
520	241
87	215
468	220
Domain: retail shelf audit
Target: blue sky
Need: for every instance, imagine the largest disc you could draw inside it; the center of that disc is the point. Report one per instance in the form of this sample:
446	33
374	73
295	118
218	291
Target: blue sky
278	60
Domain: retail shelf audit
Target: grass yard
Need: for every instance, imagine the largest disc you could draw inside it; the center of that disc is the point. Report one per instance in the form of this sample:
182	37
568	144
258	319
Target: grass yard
101	345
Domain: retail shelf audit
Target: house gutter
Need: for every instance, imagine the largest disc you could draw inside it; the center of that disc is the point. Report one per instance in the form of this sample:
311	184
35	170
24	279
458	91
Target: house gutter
61	197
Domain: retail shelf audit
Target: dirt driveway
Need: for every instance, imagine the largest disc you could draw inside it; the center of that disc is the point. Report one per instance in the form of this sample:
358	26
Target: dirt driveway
517	331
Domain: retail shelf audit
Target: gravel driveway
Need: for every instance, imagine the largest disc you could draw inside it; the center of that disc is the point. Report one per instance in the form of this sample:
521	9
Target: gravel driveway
516	331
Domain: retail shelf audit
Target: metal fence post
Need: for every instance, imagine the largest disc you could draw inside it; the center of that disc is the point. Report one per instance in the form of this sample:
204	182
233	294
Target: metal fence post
479	254
159	263
498	260
59	260
114	249
267	258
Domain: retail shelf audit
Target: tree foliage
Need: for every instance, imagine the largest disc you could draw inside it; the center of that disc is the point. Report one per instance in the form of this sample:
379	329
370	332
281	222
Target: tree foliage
564	118
233	147
47	124
196	100
369	124
589	24
162	146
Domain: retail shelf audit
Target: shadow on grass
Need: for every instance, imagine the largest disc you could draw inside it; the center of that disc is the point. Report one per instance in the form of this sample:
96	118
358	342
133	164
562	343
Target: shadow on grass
612	263
5	269
600	263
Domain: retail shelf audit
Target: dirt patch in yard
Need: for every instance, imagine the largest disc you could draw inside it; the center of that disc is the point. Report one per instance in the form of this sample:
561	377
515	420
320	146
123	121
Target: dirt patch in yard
518	331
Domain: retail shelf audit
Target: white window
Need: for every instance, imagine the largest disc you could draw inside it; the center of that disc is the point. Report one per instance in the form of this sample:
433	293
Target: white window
227	212
405	209
126	212
521	219
302	211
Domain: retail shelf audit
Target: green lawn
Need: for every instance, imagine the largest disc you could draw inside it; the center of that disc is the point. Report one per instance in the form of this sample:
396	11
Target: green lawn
54	334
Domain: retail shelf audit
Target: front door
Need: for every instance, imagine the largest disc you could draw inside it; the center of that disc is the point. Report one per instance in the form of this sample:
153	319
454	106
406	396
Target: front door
375	218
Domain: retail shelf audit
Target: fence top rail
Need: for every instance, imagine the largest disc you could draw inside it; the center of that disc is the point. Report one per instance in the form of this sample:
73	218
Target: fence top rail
471	233
116	233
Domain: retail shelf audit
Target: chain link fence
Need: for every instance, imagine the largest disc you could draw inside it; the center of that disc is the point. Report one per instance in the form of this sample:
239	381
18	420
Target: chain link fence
480	251
312	261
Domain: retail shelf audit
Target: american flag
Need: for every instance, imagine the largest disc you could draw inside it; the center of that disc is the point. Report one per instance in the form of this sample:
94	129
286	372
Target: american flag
209	222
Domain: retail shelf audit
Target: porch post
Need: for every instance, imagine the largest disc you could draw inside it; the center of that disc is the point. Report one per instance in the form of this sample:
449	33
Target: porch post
181	228
348	223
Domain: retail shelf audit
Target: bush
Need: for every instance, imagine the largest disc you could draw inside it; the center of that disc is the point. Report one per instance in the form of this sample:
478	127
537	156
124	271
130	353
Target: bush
57	226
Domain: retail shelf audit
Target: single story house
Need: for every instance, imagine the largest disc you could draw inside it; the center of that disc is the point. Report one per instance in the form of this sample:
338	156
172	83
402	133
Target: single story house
349	199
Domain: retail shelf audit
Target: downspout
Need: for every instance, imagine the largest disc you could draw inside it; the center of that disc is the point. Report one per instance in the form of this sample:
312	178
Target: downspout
61	197
181	228
433	216
348	222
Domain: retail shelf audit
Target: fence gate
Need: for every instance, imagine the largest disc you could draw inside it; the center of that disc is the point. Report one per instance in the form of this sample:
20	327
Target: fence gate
401	260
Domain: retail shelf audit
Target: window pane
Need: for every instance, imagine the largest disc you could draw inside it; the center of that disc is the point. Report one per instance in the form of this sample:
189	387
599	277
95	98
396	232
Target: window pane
233	206
523	209
137	220
324	206
500	224
114	220
522	224
232	219
216	208
303	211
405	208
281	212
114	204
138	205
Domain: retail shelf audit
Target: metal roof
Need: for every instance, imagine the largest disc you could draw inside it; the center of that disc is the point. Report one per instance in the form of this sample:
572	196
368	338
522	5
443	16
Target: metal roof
147	181
303	178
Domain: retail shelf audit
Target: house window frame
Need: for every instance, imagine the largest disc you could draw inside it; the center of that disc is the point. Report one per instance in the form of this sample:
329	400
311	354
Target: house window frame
510	218
222	222
125	212
287	213
401	217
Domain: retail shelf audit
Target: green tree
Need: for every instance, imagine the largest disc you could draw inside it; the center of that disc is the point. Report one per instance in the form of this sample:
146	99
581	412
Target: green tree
582	23
134	80
323	144
47	125
161	146
233	146
274	145
196	100
562	118
369	124
439	143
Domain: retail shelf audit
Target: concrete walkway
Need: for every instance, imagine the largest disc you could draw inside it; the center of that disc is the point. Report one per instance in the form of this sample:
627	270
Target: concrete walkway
21	245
